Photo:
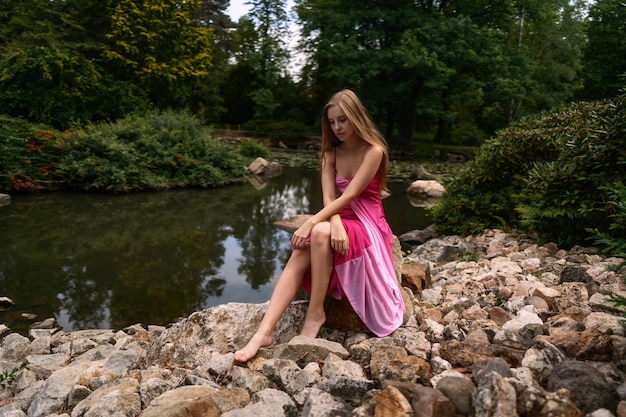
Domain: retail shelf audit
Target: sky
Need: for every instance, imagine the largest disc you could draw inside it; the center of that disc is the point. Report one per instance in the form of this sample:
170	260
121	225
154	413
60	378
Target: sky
237	8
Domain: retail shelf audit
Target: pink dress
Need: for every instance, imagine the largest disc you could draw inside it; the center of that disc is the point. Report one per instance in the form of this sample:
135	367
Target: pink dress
366	274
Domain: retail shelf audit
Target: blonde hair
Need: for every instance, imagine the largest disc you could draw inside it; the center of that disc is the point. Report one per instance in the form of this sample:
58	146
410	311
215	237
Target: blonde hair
365	129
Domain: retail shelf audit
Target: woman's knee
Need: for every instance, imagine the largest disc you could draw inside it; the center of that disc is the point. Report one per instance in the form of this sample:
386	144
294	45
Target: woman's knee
320	234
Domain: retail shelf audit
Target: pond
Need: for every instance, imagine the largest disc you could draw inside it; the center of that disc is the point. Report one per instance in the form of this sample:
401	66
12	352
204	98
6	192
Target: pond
108	261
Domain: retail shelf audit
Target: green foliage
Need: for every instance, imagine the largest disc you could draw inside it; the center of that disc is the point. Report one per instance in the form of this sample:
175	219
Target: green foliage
553	175
7	377
618	301
415	73
49	73
604	63
156	46
253	149
613	239
162	150
286	131
47	85
28	154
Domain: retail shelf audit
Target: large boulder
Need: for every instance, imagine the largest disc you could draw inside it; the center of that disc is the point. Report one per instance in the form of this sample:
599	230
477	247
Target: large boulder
424	193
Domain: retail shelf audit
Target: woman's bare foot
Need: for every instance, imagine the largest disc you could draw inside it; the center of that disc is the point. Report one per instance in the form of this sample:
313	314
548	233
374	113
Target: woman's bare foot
312	325
250	350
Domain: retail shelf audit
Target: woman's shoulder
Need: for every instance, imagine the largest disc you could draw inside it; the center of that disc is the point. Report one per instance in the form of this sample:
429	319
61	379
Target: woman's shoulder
374	151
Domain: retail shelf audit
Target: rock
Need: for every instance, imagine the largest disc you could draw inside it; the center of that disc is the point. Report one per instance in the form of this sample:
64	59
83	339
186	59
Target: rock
589	389
322	404
182	402
459	391
341	316
4	199
499	334
391	403
424	193
291	224
260	166
6	302
416	276
494	396
420	173
270	402
305	349
418	237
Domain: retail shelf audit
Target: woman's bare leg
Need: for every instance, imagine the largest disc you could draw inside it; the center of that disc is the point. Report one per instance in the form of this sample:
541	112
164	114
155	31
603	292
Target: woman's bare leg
285	291
321	268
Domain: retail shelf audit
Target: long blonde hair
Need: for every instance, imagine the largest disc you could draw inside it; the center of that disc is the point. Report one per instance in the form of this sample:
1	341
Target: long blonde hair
365	129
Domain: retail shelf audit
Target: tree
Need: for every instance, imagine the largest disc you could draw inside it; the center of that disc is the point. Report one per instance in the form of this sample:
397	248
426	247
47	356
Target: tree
263	52
550	34
47	71
155	44
605	53
414	70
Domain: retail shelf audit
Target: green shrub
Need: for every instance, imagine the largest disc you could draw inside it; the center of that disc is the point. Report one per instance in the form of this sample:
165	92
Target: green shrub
613	238
253	149
552	175
158	151
28	154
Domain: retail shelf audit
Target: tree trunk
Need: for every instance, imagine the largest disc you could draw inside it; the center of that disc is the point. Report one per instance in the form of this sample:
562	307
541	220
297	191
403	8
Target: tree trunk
406	116
444	131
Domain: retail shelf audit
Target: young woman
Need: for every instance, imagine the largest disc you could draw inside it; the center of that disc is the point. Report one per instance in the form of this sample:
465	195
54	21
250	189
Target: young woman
345	248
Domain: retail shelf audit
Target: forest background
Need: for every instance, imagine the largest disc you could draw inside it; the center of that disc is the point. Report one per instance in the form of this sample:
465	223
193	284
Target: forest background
447	72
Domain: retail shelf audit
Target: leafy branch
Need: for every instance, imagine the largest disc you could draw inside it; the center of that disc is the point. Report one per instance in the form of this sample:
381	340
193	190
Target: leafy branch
7	377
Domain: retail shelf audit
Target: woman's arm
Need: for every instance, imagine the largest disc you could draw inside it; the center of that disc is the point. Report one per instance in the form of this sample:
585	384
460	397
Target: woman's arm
369	166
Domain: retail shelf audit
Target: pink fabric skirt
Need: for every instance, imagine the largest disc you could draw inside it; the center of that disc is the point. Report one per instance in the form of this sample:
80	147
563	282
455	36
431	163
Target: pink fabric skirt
358	240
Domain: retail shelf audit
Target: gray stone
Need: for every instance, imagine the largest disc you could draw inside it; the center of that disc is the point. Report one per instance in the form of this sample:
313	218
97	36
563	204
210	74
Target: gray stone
304	349
55	391
5	199
347	388
321	404
15	347
119	398
250	380
334	366
494	396
589	389
183	401
459	391
120	362
267	403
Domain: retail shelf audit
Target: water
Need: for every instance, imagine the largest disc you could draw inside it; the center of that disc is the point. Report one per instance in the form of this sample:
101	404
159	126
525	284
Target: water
109	261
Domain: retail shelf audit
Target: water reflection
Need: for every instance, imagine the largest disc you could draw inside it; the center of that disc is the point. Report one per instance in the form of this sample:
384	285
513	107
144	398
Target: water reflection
106	261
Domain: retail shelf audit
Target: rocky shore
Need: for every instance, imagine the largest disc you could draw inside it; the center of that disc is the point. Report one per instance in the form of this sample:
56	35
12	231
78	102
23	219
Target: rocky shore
496	325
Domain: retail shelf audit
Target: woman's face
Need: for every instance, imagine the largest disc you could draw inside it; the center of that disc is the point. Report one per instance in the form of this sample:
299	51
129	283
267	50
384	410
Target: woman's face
339	123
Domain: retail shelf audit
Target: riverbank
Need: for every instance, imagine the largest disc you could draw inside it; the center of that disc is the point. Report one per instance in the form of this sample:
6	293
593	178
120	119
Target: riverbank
504	328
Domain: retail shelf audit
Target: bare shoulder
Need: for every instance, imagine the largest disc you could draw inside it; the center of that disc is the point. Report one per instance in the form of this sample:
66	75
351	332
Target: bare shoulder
328	158
374	152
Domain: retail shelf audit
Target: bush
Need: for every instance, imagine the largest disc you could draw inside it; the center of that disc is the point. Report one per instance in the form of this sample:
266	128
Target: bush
613	239
553	175
162	150
28	156
252	149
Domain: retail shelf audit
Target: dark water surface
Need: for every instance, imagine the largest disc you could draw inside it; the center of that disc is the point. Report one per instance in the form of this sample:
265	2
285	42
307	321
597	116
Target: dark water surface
109	261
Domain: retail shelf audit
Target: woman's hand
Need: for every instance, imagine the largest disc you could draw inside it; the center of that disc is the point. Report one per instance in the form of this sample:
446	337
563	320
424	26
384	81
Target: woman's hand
338	238
300	236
